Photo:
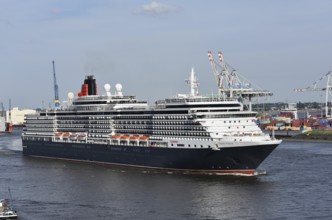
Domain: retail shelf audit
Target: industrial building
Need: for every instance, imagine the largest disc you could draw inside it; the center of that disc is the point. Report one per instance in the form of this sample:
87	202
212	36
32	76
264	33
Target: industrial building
17	116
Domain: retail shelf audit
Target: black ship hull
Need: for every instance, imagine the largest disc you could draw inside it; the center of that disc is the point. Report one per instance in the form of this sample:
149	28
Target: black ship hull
233	160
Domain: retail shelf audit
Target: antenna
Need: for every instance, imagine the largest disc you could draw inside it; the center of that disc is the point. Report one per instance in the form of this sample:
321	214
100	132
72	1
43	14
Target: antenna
11	198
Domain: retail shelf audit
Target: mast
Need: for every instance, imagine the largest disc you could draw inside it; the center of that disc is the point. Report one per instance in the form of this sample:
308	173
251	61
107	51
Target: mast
193	83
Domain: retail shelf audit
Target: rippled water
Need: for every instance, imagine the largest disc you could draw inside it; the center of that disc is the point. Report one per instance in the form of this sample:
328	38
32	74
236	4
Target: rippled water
297	186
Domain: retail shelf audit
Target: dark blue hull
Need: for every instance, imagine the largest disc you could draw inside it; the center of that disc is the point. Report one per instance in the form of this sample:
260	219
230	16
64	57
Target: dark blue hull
226	160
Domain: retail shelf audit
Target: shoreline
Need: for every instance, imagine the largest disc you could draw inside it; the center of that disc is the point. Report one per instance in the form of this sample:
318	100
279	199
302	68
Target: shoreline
307	140
319	136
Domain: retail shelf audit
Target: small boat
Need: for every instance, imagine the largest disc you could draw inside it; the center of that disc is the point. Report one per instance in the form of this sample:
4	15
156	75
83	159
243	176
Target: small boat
5	211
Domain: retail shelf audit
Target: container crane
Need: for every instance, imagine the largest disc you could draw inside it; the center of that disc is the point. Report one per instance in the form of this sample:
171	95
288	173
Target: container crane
232	85
56	88
327	89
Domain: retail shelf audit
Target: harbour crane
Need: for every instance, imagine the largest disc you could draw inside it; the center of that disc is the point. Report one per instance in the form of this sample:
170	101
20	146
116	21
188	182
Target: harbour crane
315	88
232	85
56	88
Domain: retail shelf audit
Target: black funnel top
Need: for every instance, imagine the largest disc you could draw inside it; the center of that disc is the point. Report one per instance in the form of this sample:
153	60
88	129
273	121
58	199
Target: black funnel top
92	87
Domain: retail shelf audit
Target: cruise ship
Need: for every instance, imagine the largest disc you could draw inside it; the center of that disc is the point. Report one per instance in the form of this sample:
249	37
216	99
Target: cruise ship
188	133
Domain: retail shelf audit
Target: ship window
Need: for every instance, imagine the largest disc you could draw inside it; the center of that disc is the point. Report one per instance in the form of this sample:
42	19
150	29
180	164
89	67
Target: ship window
201	145
209	146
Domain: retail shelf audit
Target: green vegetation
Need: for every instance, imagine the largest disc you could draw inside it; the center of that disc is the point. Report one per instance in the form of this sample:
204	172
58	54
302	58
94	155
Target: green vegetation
323	135
318	132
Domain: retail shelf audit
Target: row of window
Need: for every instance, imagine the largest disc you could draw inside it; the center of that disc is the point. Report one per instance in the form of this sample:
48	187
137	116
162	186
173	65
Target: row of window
239	121
72	126
201	134
39	129
192	128
227	116
39	126
33	121
104	127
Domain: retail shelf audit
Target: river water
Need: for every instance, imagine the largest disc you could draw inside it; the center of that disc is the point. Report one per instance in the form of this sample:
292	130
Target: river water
298	185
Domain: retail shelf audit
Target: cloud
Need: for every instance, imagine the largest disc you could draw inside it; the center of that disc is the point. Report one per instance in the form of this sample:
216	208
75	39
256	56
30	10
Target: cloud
156	8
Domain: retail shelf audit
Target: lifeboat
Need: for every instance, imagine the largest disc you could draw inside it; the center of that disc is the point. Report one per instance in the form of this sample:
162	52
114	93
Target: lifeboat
144	138
124	136
58	135
65	136
115	136
133	137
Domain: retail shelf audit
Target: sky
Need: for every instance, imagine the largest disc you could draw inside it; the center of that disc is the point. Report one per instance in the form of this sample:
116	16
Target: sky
150	46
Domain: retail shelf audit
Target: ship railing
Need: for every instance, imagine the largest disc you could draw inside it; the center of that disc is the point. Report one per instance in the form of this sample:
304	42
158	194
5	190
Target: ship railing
103	97
195	99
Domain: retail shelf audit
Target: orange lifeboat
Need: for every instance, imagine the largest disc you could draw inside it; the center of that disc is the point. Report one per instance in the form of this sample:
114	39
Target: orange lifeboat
58	135
65	136
144	138
115	136
124	136
133	137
